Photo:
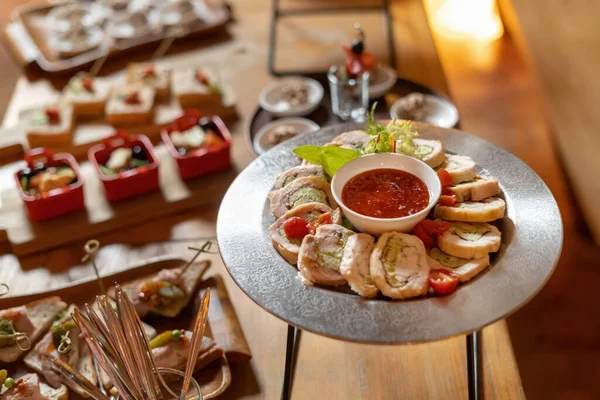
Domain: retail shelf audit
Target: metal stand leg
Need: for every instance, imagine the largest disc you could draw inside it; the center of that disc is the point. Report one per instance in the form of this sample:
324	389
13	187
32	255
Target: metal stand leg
474	366
291	348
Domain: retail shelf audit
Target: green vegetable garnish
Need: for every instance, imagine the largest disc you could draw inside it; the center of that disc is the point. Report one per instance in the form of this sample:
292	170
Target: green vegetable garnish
347	224
215	88
107	171
3	376
331	158
176	334
24	183
138	163
9	382
395	137
165	338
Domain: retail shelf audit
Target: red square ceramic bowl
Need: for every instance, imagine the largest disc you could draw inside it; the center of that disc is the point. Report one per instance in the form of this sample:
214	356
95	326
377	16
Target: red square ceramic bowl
51	204
131	182
204	160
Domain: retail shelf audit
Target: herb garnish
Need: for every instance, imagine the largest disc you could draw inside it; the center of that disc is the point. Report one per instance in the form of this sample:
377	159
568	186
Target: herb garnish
331	158
396	137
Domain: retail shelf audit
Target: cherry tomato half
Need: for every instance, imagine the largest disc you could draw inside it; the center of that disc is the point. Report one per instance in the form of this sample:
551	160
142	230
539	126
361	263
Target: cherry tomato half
353	67
325	219
443	281
435	227
427	239
295	228
445	178
53	114
368	61
447	200
88	84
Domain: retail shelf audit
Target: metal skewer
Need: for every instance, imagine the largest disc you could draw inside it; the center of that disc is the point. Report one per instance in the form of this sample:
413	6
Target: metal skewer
4	289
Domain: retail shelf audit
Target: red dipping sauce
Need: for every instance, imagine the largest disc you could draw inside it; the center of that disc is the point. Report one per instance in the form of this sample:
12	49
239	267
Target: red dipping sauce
385	193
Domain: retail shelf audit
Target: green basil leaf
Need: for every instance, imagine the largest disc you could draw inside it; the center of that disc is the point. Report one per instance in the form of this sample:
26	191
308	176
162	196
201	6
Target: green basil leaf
331	158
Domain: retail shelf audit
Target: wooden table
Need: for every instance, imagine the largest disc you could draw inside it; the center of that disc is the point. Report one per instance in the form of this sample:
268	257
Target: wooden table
326	368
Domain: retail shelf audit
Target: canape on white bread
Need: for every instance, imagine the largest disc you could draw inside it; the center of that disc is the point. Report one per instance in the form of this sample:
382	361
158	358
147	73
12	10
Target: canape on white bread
302	190
309	212
29	387
431	152
487	210
196	87
87	95
399	266
354	140
49	126
460	168
130	104
78	357
321	254
470	240
465	269
33	319
153	75
301	171
478	189
175	353
355	265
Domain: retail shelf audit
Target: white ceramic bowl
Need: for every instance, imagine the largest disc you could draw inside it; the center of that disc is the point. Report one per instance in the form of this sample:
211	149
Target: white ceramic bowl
302	125
271	98
377	226
442	112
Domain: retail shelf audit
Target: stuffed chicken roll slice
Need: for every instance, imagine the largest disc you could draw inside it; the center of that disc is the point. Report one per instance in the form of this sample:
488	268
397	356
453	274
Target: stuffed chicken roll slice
487	210
399	266
301	191
478	189
287	239
464	268
470	240
354	140
355	265
321	255
460	168
431	152
300	171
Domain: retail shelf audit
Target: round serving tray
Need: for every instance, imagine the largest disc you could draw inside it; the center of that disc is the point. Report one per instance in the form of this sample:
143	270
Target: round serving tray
324	116
532	237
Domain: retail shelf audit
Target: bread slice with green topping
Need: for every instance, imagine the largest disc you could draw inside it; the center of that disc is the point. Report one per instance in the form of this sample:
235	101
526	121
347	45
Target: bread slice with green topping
487	210
431	152
301	191
470	240
464	268
309	212
399	266
321	255
478	189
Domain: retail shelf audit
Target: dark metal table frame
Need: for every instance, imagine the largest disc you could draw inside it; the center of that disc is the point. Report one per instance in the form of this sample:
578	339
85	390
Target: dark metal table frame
383	7
474	372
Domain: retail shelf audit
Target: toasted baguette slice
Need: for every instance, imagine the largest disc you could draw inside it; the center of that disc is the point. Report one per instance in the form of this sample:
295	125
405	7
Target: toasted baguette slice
41	313
300	171
470	240
478	189
355	265
460	168
465	269
301	191
399	266
309	212
487	210
431	152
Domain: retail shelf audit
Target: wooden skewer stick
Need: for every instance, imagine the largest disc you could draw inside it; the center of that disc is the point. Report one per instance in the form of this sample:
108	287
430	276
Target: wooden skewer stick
91	248
204	249
174	33
4	289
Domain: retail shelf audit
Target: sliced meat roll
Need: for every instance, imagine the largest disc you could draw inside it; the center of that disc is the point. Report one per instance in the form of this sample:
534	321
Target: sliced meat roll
465	269
399	266
321	255
309	212
478	189
355	266
301	191
487	210
355	140
431	152
460	168
300	171
470	240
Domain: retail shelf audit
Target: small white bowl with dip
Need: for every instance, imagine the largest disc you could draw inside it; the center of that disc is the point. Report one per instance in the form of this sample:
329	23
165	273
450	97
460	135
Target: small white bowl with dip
389	161
273	97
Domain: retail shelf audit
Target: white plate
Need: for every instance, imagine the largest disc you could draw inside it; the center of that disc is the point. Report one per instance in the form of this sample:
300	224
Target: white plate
443	113
386	78
302	125
271	98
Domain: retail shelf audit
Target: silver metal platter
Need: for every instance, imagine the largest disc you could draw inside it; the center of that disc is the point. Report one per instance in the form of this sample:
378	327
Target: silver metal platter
532	236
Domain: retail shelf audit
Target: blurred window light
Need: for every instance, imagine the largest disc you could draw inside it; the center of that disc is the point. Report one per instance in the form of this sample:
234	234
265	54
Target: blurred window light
474	19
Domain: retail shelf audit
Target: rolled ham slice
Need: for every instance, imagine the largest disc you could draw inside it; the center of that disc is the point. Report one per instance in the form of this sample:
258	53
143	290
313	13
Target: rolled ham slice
309	212
355	265
321	255
478	189
487	210
399	266
431	152
300	171
470	240
301	191
465	269
354	140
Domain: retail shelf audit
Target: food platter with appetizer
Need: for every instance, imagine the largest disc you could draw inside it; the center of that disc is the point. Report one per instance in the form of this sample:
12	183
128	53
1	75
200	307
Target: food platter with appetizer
389	232
42	335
